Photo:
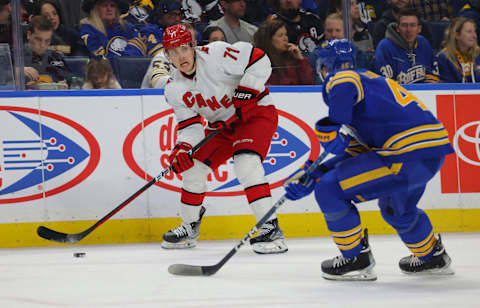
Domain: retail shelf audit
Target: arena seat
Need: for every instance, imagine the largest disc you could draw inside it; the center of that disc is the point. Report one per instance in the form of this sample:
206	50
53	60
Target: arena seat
437	28
130	70
77	65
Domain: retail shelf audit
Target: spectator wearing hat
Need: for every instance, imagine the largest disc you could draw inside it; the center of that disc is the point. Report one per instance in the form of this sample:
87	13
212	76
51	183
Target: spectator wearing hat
64	39
43	65
104	32
233	26
5	22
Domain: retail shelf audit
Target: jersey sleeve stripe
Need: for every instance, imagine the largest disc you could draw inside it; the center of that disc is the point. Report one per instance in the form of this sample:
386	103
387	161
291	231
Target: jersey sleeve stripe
195	120
415	130
255	56
413	147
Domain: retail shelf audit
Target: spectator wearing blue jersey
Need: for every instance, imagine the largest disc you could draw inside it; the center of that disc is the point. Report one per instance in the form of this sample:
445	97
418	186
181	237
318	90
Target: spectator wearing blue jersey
103	32
404	55
459	61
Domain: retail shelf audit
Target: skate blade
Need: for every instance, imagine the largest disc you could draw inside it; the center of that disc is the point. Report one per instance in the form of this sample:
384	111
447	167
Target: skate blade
180	245
277	246
363	275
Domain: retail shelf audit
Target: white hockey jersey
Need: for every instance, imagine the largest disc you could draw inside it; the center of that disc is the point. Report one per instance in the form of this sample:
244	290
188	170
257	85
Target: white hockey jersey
221	67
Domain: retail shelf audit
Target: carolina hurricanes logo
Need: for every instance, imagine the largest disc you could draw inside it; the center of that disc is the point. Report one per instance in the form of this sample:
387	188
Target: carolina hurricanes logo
34	152
293	140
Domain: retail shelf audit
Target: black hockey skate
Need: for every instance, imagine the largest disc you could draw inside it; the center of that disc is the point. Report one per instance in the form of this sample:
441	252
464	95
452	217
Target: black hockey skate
358	268
270	239
438	264
185	235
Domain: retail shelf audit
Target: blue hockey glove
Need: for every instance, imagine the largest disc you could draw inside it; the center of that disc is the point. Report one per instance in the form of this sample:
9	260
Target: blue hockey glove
298	185
330	138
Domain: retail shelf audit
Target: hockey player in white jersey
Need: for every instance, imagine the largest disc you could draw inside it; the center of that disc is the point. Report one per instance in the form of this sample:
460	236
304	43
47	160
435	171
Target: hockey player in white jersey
220	82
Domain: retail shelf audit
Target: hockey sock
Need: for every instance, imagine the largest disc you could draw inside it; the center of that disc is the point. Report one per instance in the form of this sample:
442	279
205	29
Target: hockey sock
419	237
191	204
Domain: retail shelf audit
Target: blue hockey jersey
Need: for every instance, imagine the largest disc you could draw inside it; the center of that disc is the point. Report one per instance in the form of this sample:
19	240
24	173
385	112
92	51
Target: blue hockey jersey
384	116
111	45
150	42
393	59
450	73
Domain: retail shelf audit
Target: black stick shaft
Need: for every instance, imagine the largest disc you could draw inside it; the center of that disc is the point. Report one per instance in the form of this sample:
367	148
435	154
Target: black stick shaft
60	237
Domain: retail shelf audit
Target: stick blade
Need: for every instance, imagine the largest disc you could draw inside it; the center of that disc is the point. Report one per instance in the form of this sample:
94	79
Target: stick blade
56	236
186	270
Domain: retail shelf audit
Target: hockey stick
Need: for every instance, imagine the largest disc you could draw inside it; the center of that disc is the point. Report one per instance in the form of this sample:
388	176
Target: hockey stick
208	270
61	237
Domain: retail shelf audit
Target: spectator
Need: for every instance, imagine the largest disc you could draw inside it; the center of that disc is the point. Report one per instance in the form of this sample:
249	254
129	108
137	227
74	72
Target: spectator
289	67
459	61
304	29
234	28
212	34
333	27
391	16
360	37
5	22
100	75
65	39
471	10
43	65
404	55
201	11
103	32
433	9
167	13
160	68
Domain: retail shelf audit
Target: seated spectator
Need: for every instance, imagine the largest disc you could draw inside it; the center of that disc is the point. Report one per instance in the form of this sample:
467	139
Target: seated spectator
471	9
334	30
303	28
103	32
43	65
100	75
289	66
433	9
139	13
65	39
212	34
234	28
160	68
459	61
404	55
391	16
5	22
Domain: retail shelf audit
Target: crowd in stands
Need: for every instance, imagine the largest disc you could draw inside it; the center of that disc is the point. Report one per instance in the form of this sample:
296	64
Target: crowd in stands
118	43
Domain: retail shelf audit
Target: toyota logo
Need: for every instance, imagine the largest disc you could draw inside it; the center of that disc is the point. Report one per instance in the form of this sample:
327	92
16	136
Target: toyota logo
461	134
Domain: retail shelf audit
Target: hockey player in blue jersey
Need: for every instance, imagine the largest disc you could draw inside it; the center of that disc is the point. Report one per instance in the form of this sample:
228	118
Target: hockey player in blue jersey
398	146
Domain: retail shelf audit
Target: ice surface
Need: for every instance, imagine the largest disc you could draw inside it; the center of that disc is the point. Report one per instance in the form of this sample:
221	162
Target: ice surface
136	276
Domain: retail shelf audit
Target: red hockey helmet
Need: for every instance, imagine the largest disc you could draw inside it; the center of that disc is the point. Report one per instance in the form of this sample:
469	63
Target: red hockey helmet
175	36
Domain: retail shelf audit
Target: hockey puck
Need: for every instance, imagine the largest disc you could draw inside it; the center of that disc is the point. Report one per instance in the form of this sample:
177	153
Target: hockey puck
79	254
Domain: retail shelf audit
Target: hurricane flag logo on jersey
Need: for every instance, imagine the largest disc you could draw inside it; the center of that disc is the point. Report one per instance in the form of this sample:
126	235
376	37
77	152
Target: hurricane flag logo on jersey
35	152
293	142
